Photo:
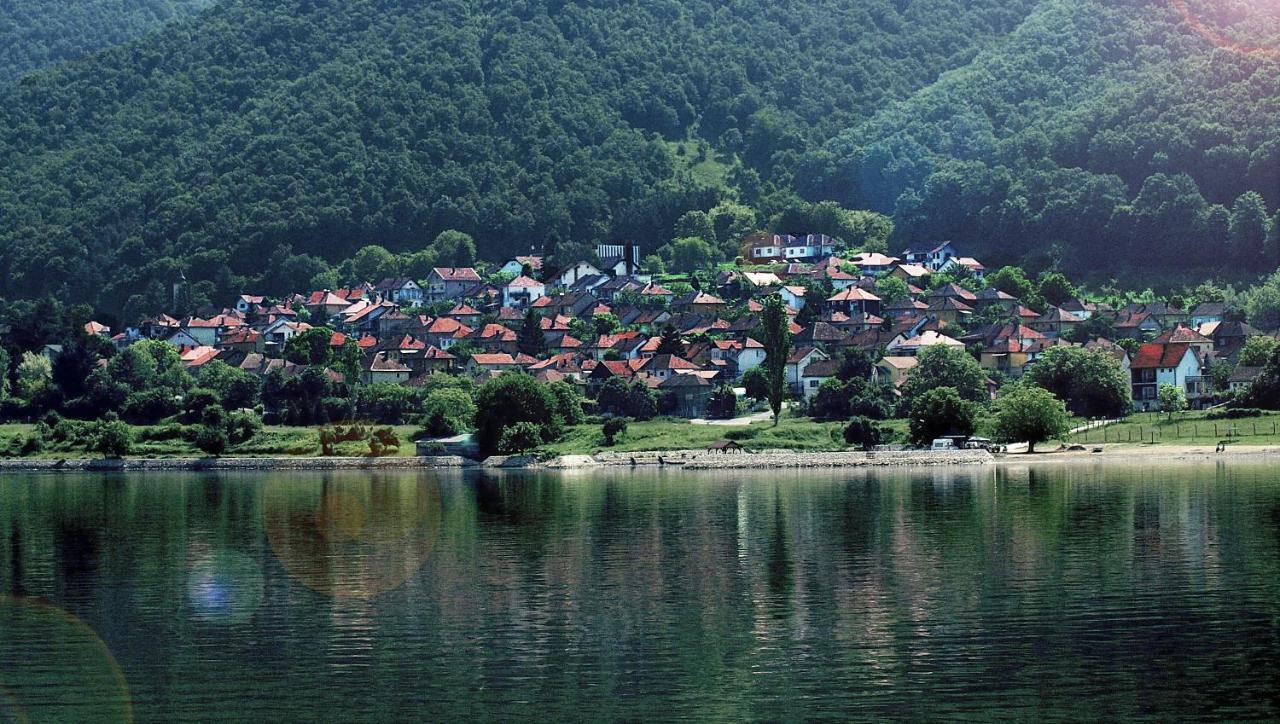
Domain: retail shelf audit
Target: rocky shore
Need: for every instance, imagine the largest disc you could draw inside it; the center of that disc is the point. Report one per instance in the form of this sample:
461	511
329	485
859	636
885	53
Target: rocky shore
233	464
675	459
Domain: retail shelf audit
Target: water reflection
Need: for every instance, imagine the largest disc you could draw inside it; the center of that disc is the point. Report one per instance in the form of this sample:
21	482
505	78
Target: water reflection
351	538
1076	592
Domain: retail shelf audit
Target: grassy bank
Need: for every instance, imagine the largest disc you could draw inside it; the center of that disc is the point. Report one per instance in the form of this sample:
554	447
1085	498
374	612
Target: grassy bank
1189	428
271	441
793	433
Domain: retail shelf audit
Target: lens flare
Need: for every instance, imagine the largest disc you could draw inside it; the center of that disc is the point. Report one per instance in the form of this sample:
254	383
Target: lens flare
352	539
224	587
1217	37
56	668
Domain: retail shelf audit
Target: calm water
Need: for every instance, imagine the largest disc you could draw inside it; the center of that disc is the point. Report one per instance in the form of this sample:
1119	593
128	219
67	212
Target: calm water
1071	593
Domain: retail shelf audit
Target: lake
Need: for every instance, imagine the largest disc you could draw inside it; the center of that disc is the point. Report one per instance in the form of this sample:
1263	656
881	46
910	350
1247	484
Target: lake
1072	592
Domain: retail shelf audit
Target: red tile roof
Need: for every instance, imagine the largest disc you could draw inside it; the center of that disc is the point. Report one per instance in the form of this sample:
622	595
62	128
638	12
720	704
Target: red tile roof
1157	355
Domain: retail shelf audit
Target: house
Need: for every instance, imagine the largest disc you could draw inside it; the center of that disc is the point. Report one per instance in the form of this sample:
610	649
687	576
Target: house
741	356
832	269
894	370
480	364
686	395
1242	379
663	366
913	274
1137	325
522	291
242	339
800	359
620	260
400	290
183	340
949	310
696	302
873	263
325	305
769	248
793	296
523	266
382	367
968	264
1056	322
911	346
1118	353
445	283
991	297
815	373
1207	313
96	329
248	302
855	302
1158	363
932	255
570	275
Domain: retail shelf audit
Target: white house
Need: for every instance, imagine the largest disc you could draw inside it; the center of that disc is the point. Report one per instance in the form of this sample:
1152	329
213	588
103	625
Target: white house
800	360
519	264
445	283
522	291
1166	363
569	275
400	290
932	255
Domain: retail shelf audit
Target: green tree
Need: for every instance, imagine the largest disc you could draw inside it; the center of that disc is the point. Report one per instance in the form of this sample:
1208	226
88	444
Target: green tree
940	411
1257	350
892	289
863	433
510	399
1091	382
34	375
310	347
775	336
1030	414
612	428
756	382
530	340
520	437
1012	281
453	248
447	412
670	342
111	438
1055	288
1250	227
723	404
941	366
687	255
1172	399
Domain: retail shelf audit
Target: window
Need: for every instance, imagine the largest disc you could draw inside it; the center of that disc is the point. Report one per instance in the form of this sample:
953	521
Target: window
813	383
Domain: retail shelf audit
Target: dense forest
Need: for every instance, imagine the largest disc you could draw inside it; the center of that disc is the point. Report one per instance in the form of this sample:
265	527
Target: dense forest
35	34
267	140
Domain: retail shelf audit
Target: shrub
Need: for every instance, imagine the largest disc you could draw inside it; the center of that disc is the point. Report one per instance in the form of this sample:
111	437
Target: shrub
863	432
510	400
111	438
146	407
723	404
519	438
211	440
448	411
197	402
614	427
242	426
1235	413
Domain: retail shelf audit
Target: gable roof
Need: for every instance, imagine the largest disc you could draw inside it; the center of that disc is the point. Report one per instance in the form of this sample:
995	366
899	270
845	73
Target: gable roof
456	274
1155	355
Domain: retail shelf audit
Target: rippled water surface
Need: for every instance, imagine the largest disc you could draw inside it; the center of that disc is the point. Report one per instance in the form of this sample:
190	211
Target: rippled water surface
1055	593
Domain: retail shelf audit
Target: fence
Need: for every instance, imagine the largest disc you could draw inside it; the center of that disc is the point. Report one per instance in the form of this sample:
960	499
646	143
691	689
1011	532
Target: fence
1220	430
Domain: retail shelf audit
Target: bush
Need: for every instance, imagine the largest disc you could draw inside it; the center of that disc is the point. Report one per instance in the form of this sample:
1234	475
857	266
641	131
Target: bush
519	438
448	412
197	402
111	438
864	433
147	407
171	431
723	404
242	426
614	427
1235	413
211	440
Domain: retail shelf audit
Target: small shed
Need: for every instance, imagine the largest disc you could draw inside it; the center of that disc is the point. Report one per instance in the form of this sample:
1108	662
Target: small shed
725	447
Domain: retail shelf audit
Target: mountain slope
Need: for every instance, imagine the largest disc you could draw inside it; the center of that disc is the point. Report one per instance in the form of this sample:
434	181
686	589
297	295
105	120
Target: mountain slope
320	126
1119	132
35	34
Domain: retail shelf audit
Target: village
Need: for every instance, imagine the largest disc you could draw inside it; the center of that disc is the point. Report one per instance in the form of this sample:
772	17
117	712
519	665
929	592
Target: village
692	343
477	332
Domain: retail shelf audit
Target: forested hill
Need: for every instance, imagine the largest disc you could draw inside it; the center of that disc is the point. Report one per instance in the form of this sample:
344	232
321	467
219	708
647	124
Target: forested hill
266	137
1113	135
35	34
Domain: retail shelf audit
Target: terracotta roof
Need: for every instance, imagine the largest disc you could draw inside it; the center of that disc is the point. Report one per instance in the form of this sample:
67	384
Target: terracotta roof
493	359
1157	355
853	294
523	282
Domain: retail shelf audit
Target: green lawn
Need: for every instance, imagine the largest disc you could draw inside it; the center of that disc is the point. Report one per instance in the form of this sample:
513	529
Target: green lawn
794	433
1189	428
271	441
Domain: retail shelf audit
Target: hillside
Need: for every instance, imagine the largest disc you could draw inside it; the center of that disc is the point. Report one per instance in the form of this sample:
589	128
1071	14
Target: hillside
35	34
265	140
1120	133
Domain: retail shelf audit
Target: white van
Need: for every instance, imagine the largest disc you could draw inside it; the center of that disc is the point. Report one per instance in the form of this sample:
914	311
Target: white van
943	443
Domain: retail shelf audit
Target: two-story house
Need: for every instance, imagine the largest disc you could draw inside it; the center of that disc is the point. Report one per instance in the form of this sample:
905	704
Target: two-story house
1171	363
932	255
444	283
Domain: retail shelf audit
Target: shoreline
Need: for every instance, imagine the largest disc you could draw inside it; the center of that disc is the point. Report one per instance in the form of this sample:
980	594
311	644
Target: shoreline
690	460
